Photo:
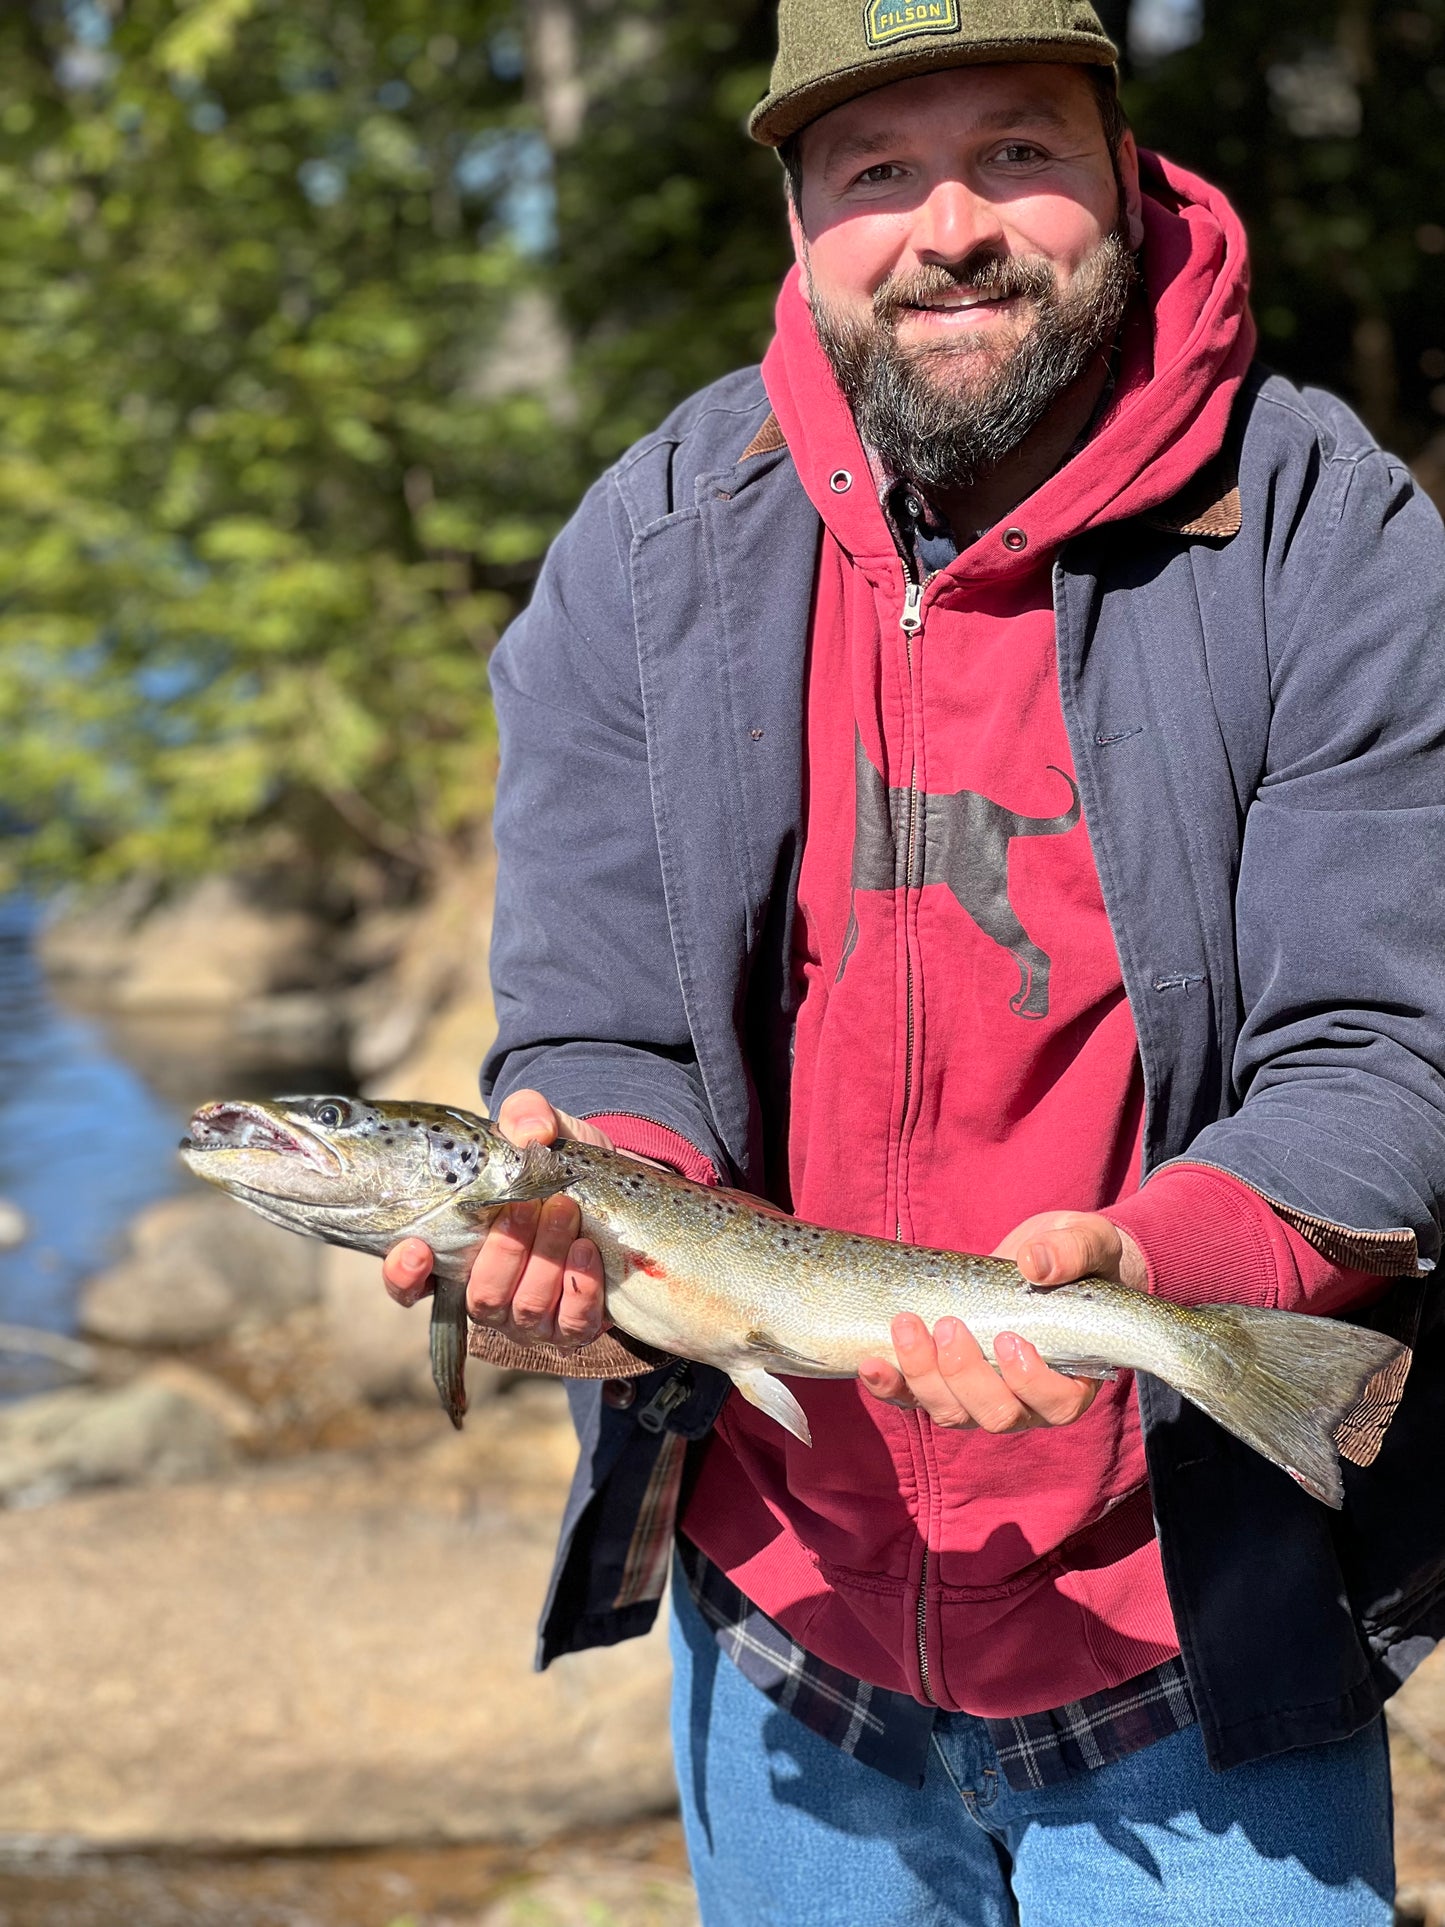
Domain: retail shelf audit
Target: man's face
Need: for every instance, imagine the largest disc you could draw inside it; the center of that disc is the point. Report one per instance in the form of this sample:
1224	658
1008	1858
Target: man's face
966	250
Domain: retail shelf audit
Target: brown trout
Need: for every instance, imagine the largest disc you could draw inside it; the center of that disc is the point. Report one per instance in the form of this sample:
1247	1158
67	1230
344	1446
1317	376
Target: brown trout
724	1279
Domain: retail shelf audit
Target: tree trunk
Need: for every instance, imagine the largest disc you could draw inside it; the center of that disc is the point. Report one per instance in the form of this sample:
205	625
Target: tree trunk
555	69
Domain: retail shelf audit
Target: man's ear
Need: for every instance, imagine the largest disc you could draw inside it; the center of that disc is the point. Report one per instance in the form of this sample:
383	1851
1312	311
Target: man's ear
800	249
1128	172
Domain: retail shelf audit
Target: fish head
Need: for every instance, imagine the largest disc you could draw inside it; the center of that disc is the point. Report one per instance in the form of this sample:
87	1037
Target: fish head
347	1167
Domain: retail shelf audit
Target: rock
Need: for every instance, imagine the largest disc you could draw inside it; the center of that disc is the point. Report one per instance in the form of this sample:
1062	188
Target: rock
211	947
332	1652
1421	1906
214	948
14	1226
438	968
153	1431
197	1266
86	937
300	1026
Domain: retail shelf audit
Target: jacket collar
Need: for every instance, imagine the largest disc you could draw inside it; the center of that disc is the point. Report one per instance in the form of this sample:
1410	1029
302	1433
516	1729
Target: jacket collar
1208	506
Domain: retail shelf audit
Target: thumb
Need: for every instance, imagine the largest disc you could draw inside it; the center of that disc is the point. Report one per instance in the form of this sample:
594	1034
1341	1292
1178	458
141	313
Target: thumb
527	1118
1062	1252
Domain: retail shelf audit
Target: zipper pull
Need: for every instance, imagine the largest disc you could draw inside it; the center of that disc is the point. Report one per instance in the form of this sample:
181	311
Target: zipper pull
675	1390
911	621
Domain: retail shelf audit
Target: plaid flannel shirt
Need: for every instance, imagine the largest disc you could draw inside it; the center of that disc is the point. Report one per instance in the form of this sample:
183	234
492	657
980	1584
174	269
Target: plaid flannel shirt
892	1732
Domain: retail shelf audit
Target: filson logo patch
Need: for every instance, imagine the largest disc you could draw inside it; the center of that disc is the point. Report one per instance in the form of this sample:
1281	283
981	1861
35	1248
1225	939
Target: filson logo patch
888	20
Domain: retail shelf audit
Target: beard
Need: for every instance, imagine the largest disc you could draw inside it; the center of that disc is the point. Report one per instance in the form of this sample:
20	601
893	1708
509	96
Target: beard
943	415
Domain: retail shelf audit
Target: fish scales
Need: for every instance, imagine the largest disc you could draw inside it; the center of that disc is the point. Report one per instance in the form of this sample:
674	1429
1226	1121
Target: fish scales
727	1280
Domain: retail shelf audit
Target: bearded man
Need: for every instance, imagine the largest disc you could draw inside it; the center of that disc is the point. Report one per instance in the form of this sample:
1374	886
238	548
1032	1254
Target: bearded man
979	780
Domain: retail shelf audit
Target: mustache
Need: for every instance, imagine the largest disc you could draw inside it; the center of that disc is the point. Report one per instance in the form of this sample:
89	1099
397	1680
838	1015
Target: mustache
986	272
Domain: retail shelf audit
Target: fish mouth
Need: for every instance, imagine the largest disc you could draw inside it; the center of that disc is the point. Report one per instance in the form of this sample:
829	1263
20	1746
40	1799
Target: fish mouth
247	1127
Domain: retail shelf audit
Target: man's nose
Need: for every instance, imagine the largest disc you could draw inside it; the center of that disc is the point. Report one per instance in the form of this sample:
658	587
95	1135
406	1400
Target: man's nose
952	222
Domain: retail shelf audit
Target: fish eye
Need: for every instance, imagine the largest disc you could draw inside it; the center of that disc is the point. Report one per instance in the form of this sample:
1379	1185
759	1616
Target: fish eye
330	1116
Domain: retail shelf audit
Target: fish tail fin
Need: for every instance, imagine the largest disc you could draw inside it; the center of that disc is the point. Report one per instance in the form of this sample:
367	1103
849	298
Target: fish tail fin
1302	1391
449	1347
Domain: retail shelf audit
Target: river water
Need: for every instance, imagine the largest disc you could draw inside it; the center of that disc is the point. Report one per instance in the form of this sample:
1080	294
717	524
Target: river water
84	1141
88	1129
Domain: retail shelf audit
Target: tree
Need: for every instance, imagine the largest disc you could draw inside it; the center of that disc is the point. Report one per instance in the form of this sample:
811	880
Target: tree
1326	126
671	232
265	493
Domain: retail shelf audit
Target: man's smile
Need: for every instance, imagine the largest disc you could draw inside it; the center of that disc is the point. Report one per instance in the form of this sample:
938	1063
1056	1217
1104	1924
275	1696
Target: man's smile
953	312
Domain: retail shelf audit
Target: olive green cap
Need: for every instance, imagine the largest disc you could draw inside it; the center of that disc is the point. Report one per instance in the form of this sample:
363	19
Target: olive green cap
830	51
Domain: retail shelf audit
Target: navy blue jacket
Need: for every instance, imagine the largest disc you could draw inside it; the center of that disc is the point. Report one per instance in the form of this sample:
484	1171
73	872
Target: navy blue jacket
1254	688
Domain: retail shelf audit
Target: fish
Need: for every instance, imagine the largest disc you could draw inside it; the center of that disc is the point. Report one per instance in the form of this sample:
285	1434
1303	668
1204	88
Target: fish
725	1279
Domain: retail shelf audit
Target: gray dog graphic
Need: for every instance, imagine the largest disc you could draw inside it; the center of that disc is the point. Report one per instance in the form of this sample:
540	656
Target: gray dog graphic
961	840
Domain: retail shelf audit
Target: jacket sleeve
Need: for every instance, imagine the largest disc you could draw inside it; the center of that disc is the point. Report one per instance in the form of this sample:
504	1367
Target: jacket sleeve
588	1001
1340	910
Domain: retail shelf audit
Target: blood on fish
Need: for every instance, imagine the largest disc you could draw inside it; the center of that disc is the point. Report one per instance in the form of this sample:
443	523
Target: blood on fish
639	1261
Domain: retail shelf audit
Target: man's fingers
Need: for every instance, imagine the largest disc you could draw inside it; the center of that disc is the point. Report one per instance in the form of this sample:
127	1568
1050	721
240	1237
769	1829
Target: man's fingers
539	1289
949	1376
497	1267
580	1313
527	1118
406	1271
972	1382
1055	1247
1055	1257
1051	1397
885	1382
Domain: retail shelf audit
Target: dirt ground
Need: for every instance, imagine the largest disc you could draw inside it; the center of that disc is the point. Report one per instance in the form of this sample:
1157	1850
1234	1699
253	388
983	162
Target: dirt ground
636	1877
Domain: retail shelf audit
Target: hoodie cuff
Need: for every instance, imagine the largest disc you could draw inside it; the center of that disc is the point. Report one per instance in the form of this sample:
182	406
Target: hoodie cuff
1208	1239
644	1139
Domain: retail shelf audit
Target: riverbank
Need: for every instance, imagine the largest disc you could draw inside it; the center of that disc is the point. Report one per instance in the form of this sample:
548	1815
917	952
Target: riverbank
290	1686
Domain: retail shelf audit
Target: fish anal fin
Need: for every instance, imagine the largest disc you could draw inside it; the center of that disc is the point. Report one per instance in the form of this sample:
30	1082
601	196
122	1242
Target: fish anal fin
1084	1368
772	1396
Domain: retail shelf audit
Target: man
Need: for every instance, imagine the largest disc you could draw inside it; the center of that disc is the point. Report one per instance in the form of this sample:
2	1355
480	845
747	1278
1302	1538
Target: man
979	781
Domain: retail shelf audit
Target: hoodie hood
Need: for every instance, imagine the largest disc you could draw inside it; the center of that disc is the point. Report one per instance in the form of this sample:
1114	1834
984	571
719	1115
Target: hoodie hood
1187	342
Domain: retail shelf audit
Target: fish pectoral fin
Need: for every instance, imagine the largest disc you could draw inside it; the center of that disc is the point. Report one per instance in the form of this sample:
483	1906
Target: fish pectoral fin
766	1346
539	1177
772	1396
1084	1368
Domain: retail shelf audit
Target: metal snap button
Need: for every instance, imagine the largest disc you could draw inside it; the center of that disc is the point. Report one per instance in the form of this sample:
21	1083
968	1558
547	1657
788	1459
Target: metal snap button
1015	539
840	481
619	1393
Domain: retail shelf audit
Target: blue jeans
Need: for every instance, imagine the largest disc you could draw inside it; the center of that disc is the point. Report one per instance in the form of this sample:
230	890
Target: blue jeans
785	1831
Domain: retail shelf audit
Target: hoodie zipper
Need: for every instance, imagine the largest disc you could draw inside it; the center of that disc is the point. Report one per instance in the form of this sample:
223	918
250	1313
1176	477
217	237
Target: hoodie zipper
911	623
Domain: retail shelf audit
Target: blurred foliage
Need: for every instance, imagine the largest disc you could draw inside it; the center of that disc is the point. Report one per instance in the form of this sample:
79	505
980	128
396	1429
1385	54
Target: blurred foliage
1325	124
316	315
260	502
671	230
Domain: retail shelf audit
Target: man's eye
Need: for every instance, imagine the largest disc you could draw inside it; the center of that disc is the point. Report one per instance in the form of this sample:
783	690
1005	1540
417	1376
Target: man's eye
878	174
1020	153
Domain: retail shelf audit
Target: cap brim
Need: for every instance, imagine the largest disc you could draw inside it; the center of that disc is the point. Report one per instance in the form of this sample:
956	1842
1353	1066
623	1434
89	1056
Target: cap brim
778	115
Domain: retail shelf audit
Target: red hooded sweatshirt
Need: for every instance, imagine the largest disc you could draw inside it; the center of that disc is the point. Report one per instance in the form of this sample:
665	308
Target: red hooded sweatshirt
965	1054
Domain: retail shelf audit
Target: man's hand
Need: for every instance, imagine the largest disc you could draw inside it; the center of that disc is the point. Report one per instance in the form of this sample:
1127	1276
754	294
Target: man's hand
534	1277
944	1372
